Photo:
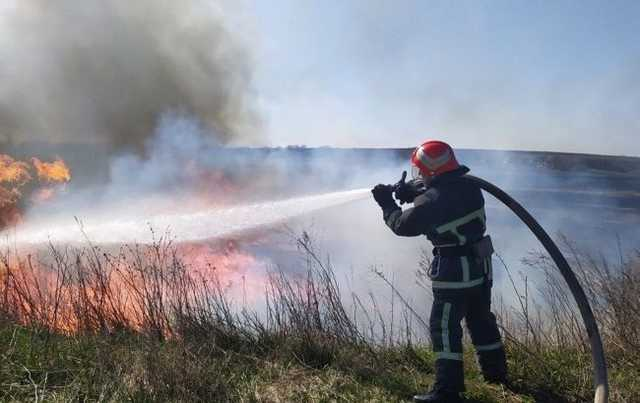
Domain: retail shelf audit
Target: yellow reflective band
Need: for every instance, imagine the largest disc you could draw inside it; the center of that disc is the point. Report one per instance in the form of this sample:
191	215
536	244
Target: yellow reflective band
448	356
453	225
446	311
457	284
464	261
489	347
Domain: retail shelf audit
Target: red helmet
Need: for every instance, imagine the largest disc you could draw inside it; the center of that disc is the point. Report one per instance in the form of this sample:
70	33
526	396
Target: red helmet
433	158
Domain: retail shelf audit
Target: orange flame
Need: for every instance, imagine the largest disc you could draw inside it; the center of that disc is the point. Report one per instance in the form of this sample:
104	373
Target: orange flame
12	171
135	290
17	177
56	171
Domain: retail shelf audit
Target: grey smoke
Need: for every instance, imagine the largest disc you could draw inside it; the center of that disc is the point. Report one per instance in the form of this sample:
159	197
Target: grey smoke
104	72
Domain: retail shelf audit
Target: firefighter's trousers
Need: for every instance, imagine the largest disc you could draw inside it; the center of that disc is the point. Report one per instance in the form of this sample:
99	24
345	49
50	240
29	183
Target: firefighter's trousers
473	305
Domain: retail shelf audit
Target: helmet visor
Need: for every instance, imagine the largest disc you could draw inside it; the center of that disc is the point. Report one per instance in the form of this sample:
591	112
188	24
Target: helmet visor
415	172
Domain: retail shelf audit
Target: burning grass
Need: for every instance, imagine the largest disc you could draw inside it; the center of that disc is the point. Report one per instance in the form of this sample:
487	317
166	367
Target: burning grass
141	323
141	288
18	187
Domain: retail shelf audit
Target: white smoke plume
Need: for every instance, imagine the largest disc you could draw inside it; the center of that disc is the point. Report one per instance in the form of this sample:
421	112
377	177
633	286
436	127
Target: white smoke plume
103	72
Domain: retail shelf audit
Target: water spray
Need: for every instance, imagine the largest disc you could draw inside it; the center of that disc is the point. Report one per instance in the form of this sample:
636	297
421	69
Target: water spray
198	226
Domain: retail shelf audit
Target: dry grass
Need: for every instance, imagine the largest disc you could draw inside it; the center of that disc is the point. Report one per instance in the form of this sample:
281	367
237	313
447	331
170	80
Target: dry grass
139	324
548	343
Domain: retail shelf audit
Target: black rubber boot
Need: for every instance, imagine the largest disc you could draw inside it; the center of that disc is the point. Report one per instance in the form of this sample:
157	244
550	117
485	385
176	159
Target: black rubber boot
449	383
438	396
494	366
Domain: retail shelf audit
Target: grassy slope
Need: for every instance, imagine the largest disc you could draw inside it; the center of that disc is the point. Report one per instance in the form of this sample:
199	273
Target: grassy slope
134	368
308	350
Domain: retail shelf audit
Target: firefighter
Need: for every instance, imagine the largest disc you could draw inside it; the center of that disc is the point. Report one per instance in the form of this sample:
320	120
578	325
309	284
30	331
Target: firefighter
451	214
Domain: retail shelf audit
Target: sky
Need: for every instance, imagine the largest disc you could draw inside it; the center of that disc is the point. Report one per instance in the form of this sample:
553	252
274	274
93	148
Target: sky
533	75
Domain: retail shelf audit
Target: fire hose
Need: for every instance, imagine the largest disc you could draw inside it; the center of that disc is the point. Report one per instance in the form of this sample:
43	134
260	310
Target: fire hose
597	350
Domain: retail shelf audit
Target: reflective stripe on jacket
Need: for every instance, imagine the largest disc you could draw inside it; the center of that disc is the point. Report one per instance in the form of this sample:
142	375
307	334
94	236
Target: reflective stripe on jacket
449	213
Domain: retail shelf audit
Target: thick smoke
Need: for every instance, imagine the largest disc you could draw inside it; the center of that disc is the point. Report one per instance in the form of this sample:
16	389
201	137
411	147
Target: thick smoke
103	72
185	169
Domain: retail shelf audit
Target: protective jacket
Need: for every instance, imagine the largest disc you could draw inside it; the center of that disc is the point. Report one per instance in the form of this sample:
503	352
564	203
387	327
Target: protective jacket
450	213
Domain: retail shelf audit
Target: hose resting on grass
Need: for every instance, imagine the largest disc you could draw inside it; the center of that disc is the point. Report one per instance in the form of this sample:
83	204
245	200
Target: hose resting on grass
597	350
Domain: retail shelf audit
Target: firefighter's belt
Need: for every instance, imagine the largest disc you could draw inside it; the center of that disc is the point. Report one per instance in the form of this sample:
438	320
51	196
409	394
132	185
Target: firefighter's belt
482	248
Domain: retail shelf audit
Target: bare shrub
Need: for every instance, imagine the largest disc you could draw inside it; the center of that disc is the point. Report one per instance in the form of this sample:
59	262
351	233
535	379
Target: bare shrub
612	290
546	327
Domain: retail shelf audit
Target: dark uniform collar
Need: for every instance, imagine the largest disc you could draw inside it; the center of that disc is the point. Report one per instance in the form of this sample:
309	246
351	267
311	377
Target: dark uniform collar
449	176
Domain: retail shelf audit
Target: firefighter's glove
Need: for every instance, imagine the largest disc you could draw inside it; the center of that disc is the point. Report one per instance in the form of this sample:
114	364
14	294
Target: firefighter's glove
383	194
407	192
